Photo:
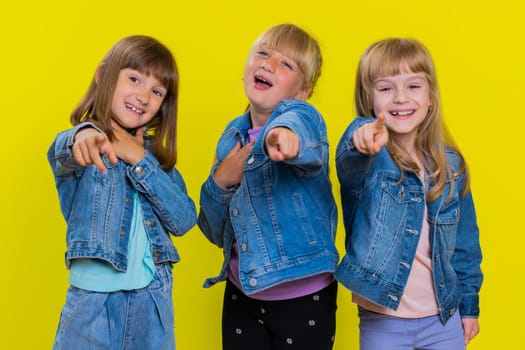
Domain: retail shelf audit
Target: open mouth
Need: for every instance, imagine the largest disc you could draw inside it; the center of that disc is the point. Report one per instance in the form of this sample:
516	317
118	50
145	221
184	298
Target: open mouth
260	80
134	109
402	114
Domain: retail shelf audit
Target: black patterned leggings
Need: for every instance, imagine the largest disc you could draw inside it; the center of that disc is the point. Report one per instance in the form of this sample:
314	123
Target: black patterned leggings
305	323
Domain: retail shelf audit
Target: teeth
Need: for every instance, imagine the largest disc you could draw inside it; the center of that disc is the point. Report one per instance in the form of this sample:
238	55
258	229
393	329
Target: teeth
402	114
134	109
262	80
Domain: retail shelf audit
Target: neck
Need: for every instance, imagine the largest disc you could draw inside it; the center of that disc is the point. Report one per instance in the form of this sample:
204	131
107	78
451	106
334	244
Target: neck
258	118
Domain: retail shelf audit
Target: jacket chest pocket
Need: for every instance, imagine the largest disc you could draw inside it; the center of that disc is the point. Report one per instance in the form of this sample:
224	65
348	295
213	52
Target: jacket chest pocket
258	174
400	194
397	204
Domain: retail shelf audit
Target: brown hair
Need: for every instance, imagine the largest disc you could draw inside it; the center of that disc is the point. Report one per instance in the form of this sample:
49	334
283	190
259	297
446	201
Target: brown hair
148	56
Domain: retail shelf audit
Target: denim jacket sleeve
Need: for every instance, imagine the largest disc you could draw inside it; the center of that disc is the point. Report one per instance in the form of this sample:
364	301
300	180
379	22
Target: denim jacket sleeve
214	205
467	258
166	192
352	165
66	170
60	155
306	122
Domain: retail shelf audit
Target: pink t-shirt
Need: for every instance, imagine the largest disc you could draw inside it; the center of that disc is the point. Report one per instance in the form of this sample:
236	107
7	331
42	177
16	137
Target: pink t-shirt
419	297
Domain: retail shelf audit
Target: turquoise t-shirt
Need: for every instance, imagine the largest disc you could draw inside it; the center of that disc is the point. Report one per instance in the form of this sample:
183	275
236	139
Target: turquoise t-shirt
99	276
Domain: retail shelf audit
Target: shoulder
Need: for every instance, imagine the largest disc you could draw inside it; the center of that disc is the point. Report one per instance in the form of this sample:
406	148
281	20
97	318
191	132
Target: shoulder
454	158
240	122
295	105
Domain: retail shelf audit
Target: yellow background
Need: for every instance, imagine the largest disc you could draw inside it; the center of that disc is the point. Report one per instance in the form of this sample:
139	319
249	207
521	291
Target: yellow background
49	50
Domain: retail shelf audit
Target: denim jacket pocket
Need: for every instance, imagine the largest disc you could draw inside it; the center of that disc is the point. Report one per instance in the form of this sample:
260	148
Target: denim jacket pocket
258	174
399	193
447	224
303	218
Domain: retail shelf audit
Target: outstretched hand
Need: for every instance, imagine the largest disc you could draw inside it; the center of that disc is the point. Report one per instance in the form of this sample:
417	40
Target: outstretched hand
282	143
370	137
229	173
89	147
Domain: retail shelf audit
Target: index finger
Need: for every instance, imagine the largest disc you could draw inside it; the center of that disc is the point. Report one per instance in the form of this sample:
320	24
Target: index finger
104	147
380	121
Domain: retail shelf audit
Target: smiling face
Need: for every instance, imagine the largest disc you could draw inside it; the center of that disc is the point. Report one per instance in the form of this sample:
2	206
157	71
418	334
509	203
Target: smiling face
404	99
136	99
271	76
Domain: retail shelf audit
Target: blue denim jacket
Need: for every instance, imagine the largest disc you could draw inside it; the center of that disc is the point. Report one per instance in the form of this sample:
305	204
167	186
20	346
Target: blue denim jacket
383	219
282	214
98	207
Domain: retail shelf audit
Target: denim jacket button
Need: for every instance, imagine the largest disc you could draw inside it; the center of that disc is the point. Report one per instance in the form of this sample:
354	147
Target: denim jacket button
244	247
122	233
251	160
452	311
150	223
235	212
253	282
139	171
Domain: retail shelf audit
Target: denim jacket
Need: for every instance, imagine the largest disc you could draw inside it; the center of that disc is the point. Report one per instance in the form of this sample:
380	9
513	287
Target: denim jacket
98	207
383	219
282	214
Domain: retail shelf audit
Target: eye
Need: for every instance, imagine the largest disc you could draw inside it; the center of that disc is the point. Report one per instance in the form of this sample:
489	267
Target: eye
262	53
287	65
384	88
158	92
134	79
414	86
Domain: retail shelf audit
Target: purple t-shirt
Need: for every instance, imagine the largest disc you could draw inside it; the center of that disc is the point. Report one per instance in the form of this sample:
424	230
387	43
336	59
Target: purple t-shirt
283	291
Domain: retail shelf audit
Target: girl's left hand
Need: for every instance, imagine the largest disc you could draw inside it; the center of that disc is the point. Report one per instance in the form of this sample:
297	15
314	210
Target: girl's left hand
128	147
470	328
282	143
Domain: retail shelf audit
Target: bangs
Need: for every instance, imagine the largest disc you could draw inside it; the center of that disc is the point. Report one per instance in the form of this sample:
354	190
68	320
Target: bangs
148	56
290	44
398	57
298	45
162	69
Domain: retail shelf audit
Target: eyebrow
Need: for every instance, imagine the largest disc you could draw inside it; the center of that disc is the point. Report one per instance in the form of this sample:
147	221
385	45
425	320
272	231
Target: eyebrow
412	77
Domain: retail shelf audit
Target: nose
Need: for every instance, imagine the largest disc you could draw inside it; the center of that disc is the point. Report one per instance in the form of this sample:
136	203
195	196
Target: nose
268	65
142	97
400	96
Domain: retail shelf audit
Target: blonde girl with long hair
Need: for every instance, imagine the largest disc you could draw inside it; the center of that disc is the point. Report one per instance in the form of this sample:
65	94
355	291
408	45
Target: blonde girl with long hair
412	242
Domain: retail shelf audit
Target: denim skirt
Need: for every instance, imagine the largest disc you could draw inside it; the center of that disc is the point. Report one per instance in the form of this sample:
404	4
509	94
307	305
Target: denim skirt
135	319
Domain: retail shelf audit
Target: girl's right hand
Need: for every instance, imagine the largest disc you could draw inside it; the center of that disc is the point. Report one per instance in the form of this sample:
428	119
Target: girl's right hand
89	147
229	173
370	137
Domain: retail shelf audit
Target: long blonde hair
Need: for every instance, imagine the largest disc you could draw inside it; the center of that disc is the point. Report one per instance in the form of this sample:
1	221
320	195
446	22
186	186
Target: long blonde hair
297	44
148	56
390	57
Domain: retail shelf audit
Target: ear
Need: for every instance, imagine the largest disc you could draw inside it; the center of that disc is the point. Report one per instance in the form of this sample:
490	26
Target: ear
304	92
99	71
